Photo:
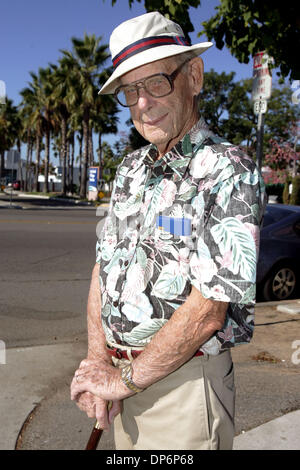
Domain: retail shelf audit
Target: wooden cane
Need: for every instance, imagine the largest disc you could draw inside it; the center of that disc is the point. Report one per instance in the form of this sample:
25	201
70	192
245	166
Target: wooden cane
94	437
96	434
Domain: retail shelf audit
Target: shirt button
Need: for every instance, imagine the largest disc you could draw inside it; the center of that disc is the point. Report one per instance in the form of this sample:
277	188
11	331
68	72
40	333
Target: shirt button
115	303
126	263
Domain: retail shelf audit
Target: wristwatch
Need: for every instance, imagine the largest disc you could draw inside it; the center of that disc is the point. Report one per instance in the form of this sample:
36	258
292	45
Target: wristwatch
126	375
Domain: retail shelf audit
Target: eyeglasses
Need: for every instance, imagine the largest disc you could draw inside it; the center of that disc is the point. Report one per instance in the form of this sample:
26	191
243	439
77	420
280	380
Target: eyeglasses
157	85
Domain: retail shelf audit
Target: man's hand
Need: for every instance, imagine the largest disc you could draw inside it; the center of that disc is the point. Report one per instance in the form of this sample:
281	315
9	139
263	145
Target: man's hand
97	408
99	378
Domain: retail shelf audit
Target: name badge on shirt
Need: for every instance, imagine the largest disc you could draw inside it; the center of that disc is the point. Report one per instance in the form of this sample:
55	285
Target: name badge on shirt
176	225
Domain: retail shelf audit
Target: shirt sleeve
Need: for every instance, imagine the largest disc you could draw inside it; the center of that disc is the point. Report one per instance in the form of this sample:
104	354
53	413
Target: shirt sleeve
102	227
223	265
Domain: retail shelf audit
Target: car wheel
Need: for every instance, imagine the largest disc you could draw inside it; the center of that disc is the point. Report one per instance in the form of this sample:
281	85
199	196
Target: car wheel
281	283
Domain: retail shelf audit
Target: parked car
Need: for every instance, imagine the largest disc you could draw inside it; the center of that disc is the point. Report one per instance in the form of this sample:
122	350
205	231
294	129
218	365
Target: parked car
278	269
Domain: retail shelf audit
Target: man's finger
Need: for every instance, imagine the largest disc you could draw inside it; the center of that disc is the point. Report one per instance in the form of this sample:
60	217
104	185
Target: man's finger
76	390
86	403
114	411
102	414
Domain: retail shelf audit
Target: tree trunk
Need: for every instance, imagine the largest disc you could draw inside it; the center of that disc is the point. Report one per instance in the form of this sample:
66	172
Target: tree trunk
37	167
80	159
27	162
47	151
91	147
295	163
30	164
85	127
100	156
68	165
72	162
63	152
18	143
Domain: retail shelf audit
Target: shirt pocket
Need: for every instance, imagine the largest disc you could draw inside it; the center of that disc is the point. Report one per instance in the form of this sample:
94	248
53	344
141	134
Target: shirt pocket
177	226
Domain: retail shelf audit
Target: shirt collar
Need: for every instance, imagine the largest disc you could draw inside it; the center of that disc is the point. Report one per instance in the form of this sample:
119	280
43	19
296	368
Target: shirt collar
178	158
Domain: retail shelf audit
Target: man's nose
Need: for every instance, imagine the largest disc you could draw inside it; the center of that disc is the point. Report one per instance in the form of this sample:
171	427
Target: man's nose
144	99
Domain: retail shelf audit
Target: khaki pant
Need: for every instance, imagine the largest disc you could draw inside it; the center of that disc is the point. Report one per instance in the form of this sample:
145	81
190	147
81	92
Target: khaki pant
190	409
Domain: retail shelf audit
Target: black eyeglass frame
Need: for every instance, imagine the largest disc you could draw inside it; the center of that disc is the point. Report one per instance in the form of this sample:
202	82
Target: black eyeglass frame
171	78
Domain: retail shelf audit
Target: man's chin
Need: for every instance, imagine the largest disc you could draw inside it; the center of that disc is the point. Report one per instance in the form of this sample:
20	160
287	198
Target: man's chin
156	136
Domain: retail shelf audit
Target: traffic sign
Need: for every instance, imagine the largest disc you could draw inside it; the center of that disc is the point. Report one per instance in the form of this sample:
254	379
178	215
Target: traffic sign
262	80
260	106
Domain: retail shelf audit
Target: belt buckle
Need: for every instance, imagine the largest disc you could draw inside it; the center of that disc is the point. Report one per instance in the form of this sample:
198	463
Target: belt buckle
119	353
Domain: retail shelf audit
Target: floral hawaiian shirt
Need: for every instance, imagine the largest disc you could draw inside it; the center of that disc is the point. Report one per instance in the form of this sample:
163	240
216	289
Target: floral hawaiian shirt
191	218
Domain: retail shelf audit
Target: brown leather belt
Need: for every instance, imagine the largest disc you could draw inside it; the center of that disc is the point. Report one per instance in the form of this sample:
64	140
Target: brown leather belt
122	354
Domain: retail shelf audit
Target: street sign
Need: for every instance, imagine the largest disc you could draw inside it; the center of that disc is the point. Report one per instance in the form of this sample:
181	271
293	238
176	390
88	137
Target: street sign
93	178
93	183
262	80
260	106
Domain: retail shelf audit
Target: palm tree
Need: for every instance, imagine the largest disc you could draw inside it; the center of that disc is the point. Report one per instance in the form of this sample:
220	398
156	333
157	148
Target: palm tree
27	136
46	101
65	104
104	116
9	130
25	112
84	61
32	99
76	128
71	140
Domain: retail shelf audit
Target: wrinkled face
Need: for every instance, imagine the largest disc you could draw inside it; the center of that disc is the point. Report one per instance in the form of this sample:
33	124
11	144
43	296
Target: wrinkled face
164	121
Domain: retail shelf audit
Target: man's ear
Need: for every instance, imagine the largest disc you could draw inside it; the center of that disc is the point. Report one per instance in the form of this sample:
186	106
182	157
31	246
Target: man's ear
196	74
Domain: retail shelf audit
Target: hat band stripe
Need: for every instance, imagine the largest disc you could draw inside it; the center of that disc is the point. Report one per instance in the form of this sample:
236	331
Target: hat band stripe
148	43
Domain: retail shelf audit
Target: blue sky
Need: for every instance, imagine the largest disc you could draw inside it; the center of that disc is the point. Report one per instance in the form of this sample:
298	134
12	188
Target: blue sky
33	31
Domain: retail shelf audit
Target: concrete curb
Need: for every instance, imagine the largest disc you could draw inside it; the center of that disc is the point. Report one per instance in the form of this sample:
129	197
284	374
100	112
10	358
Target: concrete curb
100	210
282	433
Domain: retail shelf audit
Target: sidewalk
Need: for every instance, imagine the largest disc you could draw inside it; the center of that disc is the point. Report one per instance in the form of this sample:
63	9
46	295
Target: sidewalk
45	202
37	413
279	434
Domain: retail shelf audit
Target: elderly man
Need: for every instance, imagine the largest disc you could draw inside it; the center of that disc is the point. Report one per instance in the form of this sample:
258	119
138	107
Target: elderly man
176	258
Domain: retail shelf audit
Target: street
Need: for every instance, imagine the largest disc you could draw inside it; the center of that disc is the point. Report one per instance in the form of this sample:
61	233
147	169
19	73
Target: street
47	256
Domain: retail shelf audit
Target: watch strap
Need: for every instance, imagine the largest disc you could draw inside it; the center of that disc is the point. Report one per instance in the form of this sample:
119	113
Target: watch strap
126	375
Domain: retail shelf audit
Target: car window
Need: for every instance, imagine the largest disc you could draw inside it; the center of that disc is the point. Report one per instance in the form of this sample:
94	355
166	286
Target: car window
274	214
268	220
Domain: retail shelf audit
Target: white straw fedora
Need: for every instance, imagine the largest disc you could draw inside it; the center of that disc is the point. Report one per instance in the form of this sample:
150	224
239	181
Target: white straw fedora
145	39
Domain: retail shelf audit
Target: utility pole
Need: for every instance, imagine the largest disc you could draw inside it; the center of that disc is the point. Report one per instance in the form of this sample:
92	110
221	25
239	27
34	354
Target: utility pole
260	131
261	91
